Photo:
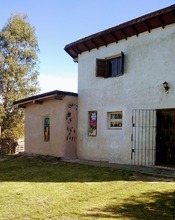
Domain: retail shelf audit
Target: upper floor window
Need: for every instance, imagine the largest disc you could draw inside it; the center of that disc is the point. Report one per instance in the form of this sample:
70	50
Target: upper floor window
110	67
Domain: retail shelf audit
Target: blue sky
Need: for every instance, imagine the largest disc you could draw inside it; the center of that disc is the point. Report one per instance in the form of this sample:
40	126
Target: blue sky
60	22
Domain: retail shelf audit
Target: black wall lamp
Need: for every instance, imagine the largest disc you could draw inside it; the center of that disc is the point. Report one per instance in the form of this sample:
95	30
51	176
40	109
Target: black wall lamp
166	86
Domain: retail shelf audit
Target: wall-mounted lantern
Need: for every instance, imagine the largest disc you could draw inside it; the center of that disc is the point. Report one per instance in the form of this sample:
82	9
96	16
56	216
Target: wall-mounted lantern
166	86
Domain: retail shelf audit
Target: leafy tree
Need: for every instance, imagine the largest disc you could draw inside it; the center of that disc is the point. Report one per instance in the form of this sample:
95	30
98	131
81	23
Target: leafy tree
18	72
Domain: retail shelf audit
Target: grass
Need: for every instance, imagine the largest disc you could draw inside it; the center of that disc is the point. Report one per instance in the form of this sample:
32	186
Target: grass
48	189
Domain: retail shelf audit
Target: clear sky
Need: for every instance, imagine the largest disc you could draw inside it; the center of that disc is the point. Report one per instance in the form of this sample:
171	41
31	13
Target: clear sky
60	22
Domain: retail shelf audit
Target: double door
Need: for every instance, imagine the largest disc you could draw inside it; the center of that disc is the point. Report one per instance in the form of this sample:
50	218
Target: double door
153	137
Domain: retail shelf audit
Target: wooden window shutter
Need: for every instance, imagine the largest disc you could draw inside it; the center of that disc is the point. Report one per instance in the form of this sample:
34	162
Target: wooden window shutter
122	63
101	67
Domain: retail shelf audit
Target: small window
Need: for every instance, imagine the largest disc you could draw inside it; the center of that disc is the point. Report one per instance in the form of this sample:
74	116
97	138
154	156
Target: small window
110	67
46	129
92	131
115	119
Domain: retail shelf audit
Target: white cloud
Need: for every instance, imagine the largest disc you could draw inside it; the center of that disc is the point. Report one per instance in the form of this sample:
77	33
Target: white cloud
56	82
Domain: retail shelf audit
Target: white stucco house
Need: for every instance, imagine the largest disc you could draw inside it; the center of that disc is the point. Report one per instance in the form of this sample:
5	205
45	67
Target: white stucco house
51	123
126	91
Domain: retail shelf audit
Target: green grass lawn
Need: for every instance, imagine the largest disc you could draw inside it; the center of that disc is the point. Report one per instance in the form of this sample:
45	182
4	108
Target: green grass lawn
48	189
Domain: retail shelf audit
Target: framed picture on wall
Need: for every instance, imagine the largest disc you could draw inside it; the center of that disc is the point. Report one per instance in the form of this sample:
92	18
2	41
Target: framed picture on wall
92	128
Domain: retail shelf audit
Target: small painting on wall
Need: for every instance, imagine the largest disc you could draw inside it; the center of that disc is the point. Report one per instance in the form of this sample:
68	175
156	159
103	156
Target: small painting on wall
92	123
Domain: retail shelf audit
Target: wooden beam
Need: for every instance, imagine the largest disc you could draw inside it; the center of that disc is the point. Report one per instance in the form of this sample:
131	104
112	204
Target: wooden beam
135	30
173	13
123	33
37	102
58	97
76	50
21	106
84	43
114	37
106	44
161	22
96	46
147	26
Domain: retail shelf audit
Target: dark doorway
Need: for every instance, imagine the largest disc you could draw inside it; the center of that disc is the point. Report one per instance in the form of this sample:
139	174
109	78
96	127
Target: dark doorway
165	146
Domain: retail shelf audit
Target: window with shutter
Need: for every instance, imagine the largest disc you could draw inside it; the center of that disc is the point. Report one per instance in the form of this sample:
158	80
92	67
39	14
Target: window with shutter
122	63
101	67
110	67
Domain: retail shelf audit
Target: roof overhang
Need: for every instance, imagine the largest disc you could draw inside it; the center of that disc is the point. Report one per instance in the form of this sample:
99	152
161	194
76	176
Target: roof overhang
39	99
153	20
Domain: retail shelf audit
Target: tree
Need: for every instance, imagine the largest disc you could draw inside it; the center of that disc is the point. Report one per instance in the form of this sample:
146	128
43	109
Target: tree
18	72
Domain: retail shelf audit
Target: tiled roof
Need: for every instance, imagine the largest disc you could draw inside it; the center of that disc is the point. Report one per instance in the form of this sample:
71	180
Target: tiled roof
38	99
153	20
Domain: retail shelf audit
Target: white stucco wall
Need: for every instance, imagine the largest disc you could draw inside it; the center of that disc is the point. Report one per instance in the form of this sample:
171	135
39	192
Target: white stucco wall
149	61
57	110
